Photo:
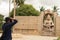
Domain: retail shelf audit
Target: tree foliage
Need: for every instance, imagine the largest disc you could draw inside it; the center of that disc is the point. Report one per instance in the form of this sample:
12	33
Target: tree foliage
55	9
26	10
1	19
42	8
19	2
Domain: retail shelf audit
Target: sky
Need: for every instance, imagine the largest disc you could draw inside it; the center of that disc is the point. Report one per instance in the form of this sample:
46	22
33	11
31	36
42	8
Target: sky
4	7
48	4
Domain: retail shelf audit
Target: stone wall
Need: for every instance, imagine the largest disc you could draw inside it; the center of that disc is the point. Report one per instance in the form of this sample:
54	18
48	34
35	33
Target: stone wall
58	26
28	25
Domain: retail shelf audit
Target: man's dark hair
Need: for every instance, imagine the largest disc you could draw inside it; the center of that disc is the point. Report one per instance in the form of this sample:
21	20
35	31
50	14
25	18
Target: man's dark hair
8	19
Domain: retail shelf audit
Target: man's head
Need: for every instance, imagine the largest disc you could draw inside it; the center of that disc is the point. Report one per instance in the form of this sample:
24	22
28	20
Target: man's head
7	19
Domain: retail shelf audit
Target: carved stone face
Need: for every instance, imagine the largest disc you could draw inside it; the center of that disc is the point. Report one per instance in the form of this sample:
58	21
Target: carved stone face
48	17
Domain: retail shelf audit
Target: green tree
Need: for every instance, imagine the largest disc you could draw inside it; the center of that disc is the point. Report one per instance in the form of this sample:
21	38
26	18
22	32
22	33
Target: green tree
19	2
1	19
26	10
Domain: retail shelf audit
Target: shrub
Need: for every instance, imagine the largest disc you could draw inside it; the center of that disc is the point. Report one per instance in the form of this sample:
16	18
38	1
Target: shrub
1	19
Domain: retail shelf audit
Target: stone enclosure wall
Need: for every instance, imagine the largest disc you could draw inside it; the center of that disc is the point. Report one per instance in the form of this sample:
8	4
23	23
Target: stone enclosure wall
28	25
33	25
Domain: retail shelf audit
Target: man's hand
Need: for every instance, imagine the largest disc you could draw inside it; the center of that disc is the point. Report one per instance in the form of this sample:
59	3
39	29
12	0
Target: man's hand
12	18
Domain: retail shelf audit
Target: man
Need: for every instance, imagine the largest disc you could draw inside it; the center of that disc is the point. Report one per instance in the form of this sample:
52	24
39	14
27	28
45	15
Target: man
7	26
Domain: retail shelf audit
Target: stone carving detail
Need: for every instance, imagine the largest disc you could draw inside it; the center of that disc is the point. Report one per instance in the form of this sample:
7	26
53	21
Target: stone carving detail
48	24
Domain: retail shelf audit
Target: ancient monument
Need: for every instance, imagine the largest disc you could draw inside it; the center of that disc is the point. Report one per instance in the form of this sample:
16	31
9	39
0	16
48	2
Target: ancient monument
47	24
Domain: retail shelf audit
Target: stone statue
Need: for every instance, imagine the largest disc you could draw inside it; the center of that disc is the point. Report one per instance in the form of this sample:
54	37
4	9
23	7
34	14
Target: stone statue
48	25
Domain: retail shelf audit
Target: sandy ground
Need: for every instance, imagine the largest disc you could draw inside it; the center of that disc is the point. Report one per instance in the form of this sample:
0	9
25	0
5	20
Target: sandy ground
17	36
